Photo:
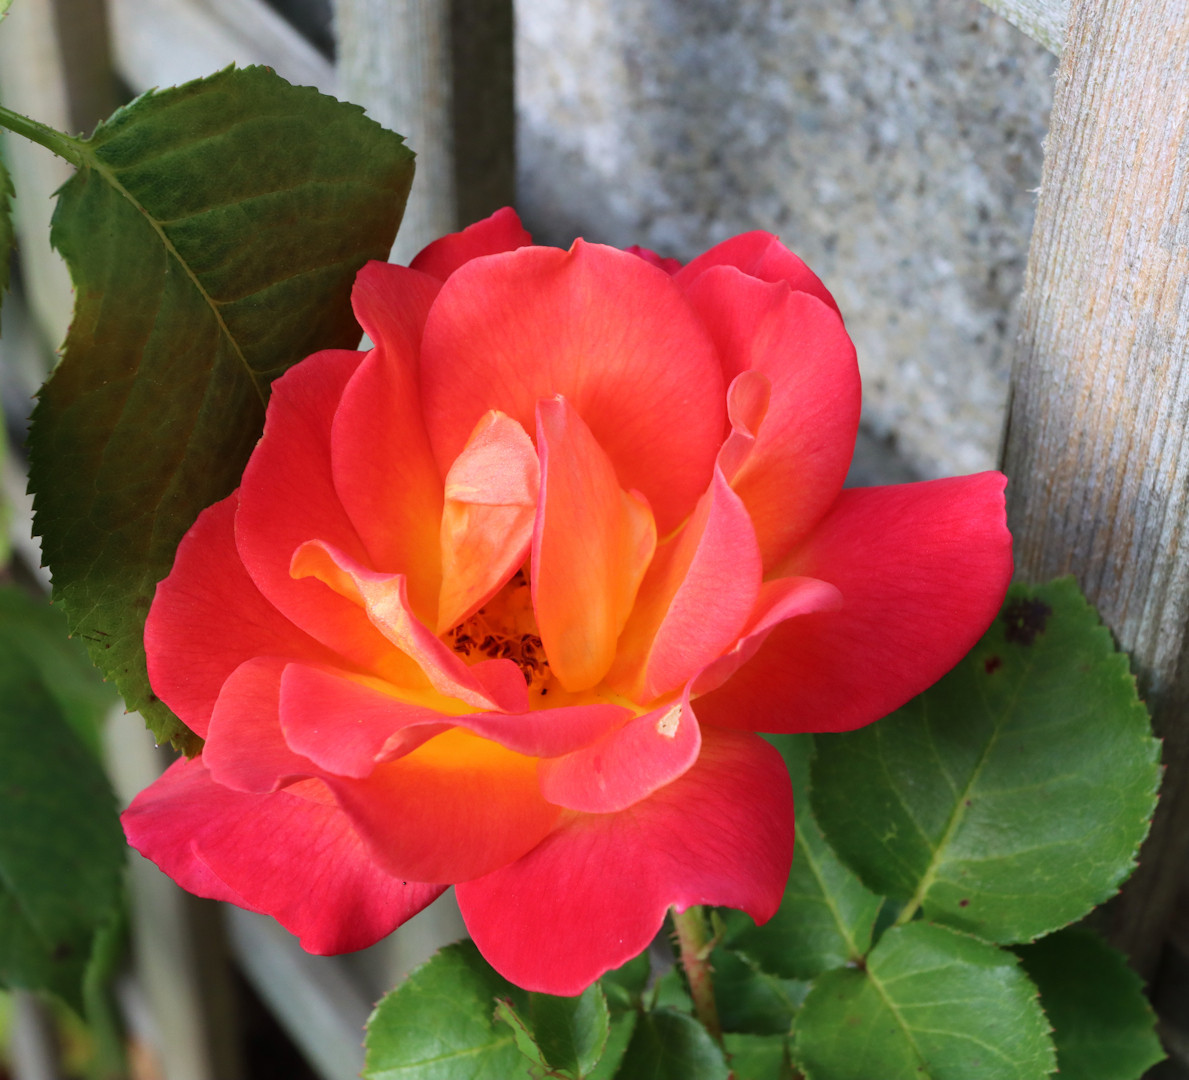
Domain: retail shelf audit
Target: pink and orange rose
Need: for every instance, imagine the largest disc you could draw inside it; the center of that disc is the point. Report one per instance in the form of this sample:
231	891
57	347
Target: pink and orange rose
501	603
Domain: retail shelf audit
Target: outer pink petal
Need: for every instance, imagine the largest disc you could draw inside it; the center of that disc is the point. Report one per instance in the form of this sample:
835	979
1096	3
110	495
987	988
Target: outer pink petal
293	858
347	726
245	748
384	470
592	543
191	644
922	569
500	232
626	765
669	266
779	600
759	255
807	436
288	497
455	808
604	329
594	893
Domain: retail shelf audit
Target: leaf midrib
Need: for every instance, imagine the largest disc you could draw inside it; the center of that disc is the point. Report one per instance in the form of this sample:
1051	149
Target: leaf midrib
958	813
91	160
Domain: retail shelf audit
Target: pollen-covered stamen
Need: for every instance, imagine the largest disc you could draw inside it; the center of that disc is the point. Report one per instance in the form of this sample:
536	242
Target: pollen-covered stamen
505	629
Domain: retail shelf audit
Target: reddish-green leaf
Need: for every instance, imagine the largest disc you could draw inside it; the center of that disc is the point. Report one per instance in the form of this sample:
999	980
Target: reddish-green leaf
212	233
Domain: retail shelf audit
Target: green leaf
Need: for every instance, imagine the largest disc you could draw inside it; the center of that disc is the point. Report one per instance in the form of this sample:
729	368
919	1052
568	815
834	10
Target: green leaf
1011	797
750	999
826	917
930	1005
522	1035
566	1036
212	233
571	1032
625	985
33	633
759	1057
668	1045
619	1036
61	846
1102	1024
6	195
440	1024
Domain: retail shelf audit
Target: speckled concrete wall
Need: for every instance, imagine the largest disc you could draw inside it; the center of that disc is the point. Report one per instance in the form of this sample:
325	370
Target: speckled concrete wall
894	144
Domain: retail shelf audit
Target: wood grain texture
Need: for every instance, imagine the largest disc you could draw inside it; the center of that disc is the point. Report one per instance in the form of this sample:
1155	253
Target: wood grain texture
1041	20
394	58
1096	446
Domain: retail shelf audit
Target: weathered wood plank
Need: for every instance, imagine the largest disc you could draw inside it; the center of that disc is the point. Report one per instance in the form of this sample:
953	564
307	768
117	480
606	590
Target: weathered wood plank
394	58
1041	20
1096	444
441	74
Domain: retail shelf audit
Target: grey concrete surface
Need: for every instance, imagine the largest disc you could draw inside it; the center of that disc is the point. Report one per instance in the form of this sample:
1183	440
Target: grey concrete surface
894	144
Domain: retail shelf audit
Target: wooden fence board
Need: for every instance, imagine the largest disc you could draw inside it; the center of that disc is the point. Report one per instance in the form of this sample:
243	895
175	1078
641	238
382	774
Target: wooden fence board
1096	447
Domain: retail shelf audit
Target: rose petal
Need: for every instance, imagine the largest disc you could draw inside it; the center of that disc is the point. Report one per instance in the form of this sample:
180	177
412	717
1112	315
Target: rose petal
384	470
288	497
487	524
922	569
252	849
492	684
245	748
626	765
455	808
591	546
778	601
759	255
695	602
805	442
669	266
600	327
346	724
594	893
500	232
190	643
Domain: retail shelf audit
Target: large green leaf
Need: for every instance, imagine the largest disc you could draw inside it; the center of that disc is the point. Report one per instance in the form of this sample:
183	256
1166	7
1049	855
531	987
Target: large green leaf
1103	1026
6	194
759	1057
34	634
212	233
439	1024
668	1045
826	917
1011	797
61	847
560	1036
751	999
930	1004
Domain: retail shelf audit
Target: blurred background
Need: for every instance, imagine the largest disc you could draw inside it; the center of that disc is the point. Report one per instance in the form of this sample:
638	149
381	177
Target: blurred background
896	145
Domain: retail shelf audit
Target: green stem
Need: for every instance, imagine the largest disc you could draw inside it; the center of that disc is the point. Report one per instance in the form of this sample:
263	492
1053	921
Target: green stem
695	946
65	146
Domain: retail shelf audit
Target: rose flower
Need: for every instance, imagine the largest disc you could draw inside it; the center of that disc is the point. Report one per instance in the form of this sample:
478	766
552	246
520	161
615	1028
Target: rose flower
502	602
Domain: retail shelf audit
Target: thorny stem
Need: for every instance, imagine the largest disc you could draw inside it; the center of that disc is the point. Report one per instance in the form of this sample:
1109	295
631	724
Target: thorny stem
695	946
65	146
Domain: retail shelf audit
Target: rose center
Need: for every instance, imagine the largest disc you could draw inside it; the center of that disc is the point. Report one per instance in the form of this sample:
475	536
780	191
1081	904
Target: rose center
505	628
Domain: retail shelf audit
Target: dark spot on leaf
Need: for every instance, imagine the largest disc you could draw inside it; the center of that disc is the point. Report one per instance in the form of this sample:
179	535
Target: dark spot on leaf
992	664
963	903
63	951
969	803
1025	619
